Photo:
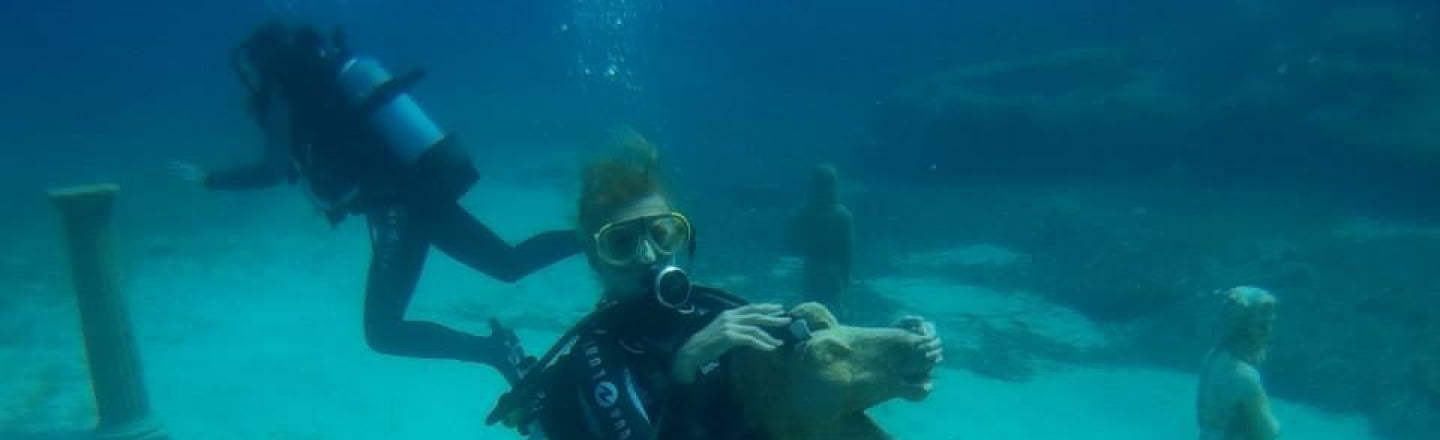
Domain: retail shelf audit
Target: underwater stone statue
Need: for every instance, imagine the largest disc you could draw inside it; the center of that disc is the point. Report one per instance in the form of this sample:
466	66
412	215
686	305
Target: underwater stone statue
823	234
821	389
1231	403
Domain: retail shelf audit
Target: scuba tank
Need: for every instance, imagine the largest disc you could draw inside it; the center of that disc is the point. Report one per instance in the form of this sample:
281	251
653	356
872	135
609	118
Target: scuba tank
409	133
432	163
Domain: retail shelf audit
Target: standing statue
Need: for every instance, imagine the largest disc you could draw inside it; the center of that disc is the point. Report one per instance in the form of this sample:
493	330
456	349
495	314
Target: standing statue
824	236
1232	403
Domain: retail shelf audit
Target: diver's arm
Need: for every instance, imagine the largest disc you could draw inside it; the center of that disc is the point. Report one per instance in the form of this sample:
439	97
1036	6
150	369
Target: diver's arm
691	408
738	327
269	170
272	167
250	176
243	177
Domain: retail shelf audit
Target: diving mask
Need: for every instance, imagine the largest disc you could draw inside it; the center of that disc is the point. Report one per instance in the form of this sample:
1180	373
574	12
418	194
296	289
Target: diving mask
621	243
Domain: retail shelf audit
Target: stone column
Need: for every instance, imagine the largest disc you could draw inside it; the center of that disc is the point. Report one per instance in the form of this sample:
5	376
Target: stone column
116	374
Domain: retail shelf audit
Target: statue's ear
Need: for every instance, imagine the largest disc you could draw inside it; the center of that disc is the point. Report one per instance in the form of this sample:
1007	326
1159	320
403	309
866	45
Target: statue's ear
815	314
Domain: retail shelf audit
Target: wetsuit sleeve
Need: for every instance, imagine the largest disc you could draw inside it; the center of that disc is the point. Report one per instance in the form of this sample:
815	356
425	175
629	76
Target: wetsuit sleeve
269	170
703	408
264	173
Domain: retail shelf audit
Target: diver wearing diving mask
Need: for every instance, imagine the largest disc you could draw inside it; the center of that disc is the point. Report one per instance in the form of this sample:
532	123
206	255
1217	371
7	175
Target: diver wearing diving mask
654	241
340	126
649	361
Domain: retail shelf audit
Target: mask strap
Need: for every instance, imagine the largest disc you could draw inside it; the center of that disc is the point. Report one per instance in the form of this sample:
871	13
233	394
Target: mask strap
694	237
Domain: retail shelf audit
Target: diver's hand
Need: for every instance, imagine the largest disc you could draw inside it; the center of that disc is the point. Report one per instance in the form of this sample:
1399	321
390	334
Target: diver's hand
934	350
189	172
501	349
738	327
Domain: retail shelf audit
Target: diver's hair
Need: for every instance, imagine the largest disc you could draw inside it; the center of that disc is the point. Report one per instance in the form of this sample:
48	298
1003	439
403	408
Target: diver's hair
274	43
283	56
628	171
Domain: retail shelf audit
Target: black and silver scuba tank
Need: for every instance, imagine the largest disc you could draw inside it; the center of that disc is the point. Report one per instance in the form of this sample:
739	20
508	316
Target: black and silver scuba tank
408	132
432	164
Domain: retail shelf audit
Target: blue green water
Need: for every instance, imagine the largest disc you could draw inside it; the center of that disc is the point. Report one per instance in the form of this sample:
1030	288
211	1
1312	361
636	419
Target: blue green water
1075	177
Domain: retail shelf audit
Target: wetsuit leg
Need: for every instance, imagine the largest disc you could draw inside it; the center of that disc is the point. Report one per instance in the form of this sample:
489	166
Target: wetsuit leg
399	243
461	236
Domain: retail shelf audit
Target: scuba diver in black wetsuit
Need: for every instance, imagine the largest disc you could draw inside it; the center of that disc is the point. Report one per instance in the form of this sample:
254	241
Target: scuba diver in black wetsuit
650	361
337	124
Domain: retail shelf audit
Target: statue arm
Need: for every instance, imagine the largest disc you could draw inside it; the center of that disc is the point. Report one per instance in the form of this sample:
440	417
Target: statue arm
1255	406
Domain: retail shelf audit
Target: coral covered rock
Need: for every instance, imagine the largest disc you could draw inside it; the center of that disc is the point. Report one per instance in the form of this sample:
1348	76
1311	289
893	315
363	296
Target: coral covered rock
1084	109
